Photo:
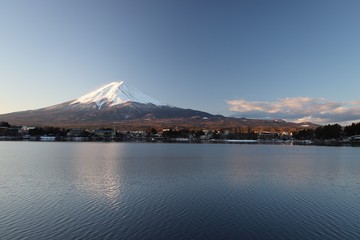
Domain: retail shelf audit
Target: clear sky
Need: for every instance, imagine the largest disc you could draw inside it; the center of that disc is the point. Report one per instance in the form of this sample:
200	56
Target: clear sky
296	60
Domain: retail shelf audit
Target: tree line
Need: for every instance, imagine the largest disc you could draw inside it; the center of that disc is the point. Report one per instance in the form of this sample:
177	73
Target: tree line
330	131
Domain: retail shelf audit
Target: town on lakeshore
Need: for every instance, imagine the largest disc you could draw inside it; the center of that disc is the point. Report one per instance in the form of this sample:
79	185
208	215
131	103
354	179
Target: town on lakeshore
323	135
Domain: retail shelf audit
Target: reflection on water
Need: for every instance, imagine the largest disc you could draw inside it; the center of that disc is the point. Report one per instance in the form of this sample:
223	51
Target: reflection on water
178	191
98	171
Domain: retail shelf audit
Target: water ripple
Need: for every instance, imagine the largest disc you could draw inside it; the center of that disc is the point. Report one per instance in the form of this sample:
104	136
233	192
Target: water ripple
164	191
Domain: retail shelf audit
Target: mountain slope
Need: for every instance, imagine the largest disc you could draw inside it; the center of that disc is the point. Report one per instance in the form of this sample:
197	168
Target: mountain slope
114	102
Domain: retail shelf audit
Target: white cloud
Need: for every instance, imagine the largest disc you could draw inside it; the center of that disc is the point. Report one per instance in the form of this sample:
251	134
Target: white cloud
299	109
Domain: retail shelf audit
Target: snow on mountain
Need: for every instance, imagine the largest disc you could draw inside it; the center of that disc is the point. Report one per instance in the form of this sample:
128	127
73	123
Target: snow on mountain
116	93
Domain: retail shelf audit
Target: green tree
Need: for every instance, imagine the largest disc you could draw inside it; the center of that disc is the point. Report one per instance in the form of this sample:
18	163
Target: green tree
328	132
353	129
5	124
305	134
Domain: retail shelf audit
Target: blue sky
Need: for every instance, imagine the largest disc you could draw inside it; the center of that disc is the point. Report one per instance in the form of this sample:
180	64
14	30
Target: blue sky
263	59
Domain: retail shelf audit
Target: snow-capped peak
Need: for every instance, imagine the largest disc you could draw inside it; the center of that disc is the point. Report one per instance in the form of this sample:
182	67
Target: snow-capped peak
116	93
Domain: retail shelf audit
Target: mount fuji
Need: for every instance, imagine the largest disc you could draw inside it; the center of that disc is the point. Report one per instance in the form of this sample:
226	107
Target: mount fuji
113	104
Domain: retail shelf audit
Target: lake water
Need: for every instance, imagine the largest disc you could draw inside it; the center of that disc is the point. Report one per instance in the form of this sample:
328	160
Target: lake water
178	191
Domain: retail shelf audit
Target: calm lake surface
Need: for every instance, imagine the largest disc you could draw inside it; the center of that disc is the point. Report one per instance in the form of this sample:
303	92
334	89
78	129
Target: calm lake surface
178	191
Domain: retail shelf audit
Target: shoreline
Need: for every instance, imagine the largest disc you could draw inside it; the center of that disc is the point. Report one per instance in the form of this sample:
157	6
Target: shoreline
192	141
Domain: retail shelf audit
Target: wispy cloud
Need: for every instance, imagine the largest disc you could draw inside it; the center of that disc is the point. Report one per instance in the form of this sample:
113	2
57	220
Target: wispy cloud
299	109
